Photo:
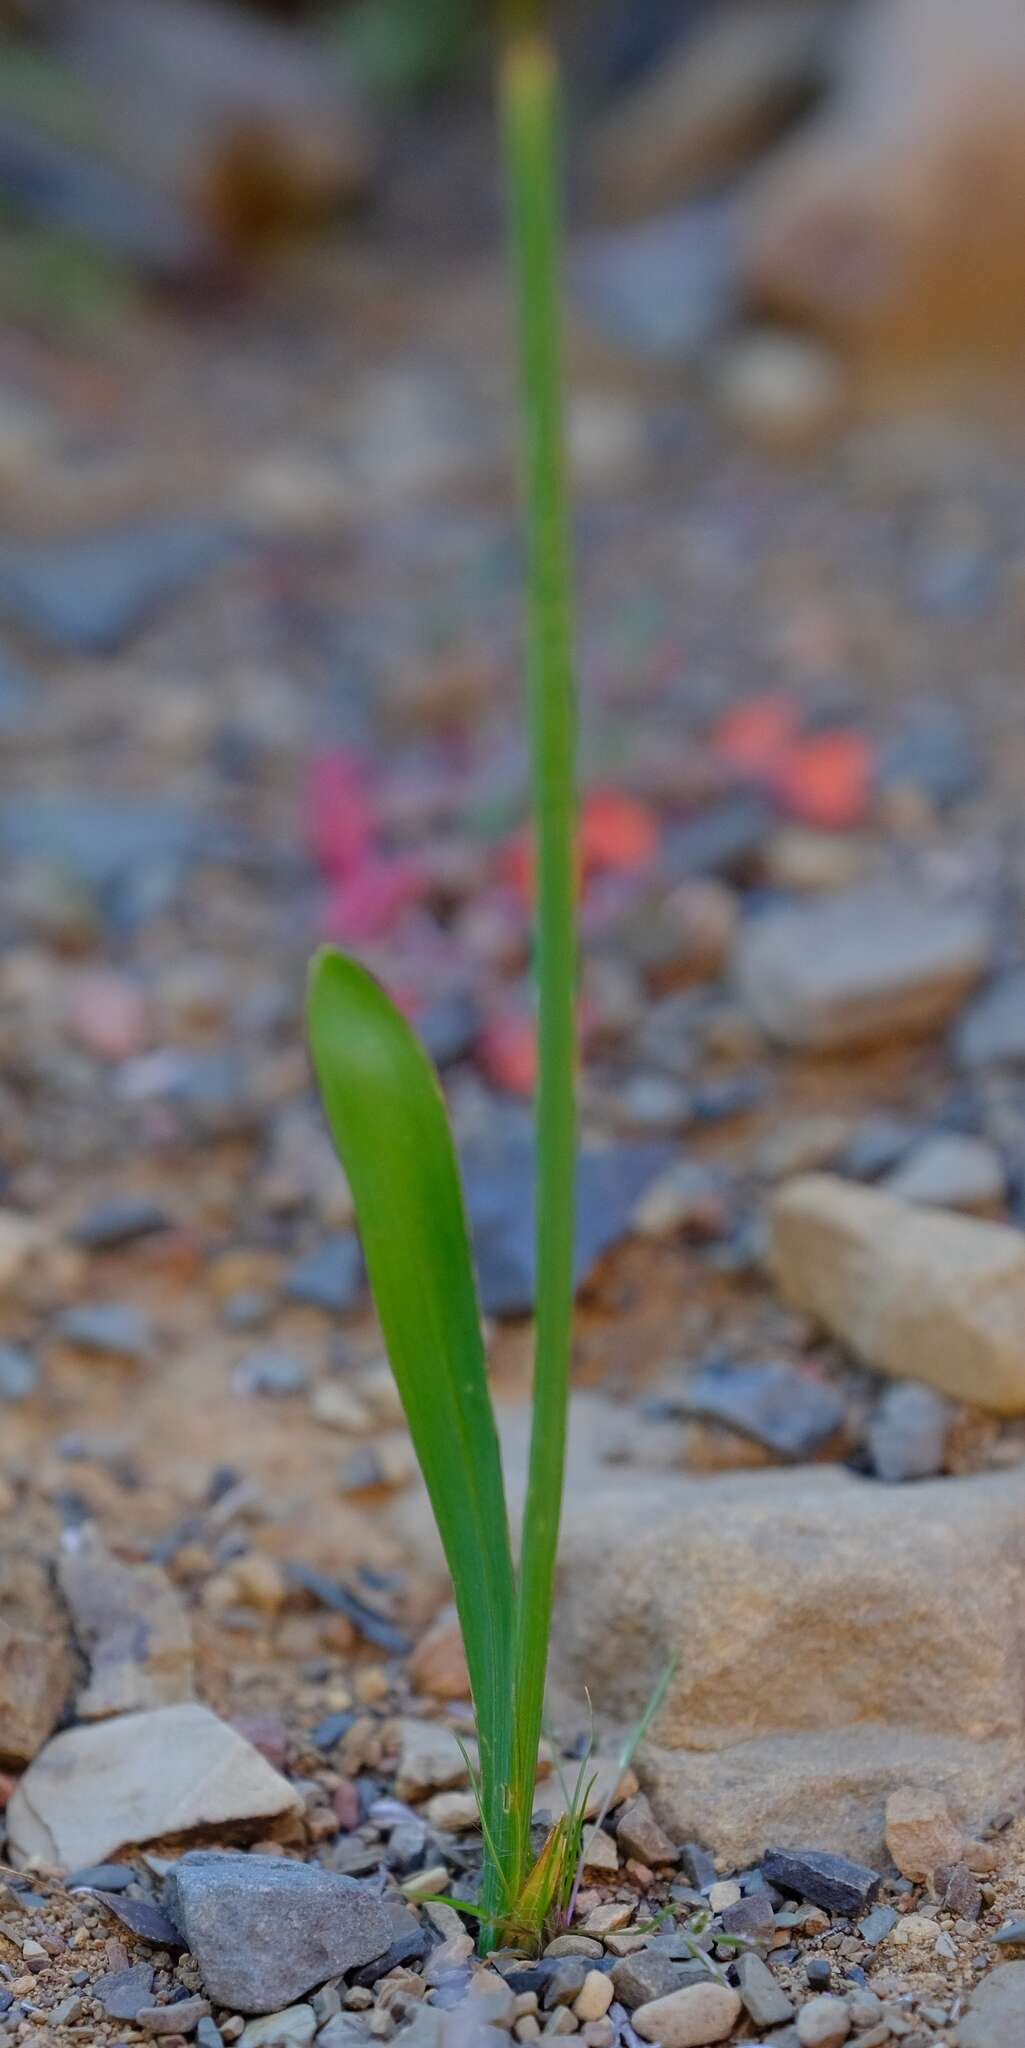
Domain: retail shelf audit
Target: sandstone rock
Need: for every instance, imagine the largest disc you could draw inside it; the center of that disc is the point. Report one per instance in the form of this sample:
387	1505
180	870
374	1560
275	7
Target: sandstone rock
996	2010
638	1834
914	1292
264	1929
93	1790
35	1658
689	2019
920	1833
438	1663
860	225
430	1759
133	1627
854	969
819	1619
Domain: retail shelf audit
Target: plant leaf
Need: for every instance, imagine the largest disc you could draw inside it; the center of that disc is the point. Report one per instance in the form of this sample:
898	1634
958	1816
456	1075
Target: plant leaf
388	1120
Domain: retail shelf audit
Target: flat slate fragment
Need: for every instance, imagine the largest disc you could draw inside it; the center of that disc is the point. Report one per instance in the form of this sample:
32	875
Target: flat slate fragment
786	1411
833	1882
265	1929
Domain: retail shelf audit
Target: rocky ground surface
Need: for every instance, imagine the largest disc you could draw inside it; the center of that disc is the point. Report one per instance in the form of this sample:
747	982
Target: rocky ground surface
259	683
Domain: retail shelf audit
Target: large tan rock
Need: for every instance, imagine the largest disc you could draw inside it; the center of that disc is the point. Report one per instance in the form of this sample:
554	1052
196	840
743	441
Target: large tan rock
96	1789
835	1640
894	219
915	1292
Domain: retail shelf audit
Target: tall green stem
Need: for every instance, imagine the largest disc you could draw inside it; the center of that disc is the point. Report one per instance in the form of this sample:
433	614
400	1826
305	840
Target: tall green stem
530	124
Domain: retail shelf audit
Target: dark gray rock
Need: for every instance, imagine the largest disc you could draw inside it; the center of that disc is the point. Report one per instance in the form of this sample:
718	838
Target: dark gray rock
90	595
818	1973
649	1974
564	1980
786	1411
18	1373
264	1929
698	1866
330	1276
110	1329
765	2000
118	1221
1011	1934
996	2010
499	1183
125	1992
907	1435
833	1882
991	1033
410	1940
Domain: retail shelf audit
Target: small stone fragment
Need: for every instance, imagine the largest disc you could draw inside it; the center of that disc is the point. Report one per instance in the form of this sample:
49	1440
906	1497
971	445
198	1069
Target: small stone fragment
834	1882
851	970
124	1992
823	2023
691	2018
35	1660
594	1997
132	1625
951	1170
765	2000
920	1833
430	1759
639	1979
180	2018
786	1411
963	1893
907	1435
107	1329
639	1834
295	2027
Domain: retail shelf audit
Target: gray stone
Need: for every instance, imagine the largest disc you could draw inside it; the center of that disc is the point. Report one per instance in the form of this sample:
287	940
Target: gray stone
785	1410
907	1435
120	1220
664	288
89	595
1011	1934
992	1031
125	1992
835	1882
872	965
750	1916
917	1293
950	1170
876	1925
330	1277
133	1626
638	1834
18	1373
765	2001
273	1373
996	2010
107	1329
102	1877
646	1975
265	1929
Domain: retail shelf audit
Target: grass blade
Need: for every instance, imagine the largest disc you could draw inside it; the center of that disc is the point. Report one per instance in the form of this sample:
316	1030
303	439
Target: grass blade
388	1121
529	98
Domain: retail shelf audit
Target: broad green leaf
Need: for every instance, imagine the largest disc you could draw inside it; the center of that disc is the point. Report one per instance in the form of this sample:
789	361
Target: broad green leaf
388	1120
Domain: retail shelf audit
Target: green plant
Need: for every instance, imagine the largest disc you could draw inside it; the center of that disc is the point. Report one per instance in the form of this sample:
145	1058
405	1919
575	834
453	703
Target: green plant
388	1119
